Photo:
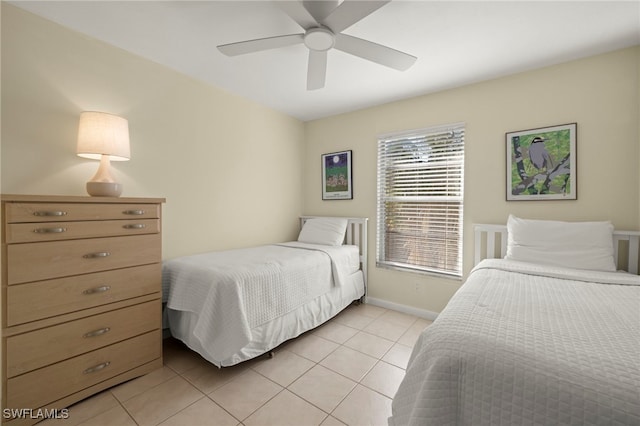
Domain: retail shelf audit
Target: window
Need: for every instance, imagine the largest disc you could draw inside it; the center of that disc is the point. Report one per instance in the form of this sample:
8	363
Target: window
420	200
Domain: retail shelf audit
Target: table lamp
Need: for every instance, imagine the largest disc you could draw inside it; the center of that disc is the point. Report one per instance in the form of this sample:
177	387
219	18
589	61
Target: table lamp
103	137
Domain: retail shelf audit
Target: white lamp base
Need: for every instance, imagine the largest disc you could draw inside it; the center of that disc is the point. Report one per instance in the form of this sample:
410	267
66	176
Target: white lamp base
102	184
104	189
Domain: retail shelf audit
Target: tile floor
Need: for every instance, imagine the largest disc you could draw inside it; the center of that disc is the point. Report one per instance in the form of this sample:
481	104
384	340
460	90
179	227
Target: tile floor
344	372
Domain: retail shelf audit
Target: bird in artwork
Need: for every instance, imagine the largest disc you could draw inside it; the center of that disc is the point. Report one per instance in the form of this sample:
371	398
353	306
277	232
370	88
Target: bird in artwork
539	155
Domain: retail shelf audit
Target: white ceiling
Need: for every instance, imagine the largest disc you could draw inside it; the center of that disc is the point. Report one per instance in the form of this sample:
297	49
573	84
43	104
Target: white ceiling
456	43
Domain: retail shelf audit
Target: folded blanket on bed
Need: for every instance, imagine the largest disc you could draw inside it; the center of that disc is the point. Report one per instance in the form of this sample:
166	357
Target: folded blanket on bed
345	260
602	277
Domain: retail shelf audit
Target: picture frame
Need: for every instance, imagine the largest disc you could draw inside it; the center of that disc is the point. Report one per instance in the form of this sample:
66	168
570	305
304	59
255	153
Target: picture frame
337	176
541	163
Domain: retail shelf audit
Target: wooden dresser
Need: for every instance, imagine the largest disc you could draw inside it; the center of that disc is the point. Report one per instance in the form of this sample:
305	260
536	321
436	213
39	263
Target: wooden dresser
81	298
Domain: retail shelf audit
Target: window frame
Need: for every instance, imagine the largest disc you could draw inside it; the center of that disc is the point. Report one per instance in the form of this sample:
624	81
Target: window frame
447	200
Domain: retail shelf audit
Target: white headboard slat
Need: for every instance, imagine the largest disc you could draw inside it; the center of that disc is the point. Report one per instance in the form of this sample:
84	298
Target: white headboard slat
634	246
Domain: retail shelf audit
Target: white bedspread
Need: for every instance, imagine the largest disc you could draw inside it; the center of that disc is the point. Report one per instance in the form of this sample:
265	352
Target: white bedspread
233	291
520	344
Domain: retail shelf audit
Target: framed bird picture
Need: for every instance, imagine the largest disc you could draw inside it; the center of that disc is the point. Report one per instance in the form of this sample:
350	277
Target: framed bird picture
541	163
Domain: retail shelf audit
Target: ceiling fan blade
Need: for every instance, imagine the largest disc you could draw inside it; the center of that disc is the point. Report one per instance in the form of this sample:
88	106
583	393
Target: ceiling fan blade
374	52
350	12
298	13
317	71
250	46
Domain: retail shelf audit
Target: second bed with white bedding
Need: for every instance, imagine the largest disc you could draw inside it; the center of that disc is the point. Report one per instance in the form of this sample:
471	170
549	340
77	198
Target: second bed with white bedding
549	335
527	344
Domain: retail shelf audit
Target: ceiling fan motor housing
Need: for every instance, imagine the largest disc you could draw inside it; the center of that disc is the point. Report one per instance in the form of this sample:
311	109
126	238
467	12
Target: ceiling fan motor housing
320	39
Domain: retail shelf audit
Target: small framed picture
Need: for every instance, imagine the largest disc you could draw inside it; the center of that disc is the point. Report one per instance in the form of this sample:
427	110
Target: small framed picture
337	181
541	163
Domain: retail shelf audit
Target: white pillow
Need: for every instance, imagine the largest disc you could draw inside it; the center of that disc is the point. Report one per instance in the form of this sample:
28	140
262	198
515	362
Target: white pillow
323	230
578	245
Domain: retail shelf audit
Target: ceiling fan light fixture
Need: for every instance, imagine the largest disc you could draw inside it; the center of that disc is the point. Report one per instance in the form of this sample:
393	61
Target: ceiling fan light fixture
319	39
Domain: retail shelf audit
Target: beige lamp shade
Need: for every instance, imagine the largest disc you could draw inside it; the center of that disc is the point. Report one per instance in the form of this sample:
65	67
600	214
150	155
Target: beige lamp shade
100	134
104	137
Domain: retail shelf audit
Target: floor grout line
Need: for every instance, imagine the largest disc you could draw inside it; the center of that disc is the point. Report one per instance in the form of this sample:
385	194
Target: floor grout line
176	353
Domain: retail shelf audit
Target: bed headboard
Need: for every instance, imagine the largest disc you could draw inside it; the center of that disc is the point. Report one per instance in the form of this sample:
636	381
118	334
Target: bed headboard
356	235
491	242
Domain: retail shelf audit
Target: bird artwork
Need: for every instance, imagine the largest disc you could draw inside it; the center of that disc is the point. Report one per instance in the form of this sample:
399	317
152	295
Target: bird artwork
538	154
542	163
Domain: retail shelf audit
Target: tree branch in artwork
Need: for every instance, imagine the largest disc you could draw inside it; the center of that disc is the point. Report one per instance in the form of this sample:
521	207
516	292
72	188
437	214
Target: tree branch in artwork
563	168
528	183
519	158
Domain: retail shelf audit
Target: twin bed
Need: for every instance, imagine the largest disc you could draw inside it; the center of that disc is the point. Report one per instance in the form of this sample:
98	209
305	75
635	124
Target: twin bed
231	306
548	333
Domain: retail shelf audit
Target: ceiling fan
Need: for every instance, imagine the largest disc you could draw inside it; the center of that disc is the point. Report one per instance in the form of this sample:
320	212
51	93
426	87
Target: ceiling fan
323	22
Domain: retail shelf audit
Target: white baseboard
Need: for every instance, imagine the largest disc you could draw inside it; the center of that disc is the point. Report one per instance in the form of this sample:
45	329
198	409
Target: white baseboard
422	313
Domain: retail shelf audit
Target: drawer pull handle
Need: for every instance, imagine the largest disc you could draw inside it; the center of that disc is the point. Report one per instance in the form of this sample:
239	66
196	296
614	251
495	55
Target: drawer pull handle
95	290
134	212
97	255
134	226
98	332
50	213
96	368
49	230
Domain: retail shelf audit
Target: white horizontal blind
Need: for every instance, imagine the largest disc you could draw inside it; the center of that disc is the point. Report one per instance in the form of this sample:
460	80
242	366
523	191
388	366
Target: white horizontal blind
420	200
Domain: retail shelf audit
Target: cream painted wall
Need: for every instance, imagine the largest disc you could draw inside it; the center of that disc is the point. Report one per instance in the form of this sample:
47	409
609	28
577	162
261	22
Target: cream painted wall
226	166
599	93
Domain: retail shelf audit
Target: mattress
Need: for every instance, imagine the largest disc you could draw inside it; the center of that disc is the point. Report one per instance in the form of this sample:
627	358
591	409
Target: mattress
220	303
528	345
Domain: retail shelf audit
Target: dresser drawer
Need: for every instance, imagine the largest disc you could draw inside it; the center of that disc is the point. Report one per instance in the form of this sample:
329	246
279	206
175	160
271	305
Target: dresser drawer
40	387
41	261
34	232
44	299
64	212
28	351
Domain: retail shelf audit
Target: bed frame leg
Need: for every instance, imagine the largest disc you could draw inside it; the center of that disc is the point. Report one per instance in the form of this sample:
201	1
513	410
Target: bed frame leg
271	354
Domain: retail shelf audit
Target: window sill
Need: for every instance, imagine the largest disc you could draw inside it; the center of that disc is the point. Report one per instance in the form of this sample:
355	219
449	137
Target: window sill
419	271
